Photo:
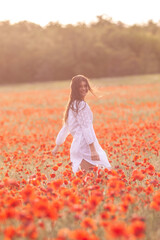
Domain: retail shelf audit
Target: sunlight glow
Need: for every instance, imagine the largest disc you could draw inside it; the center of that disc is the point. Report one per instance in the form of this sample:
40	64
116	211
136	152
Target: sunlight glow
72	11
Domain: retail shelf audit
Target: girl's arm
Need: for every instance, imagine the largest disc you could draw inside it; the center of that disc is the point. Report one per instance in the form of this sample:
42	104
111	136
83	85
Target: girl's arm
94	154
87	129
61	137
55	150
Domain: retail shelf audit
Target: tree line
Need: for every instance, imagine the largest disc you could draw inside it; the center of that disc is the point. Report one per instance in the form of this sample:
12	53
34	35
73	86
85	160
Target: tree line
29	52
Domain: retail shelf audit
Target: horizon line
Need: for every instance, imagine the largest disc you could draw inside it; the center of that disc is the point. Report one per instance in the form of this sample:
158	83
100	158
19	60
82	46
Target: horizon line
82	22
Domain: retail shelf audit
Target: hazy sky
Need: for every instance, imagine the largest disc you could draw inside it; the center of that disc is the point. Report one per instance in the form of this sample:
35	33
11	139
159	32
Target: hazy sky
72	11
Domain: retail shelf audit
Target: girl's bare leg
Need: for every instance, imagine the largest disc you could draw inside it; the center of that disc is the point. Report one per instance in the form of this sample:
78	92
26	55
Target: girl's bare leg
86	165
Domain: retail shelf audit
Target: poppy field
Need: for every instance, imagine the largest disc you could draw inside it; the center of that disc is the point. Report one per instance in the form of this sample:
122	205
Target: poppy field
41	198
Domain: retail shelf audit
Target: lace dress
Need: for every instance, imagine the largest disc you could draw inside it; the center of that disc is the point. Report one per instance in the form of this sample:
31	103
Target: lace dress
80	126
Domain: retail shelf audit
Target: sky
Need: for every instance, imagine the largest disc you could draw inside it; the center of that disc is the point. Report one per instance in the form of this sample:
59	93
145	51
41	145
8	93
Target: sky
73	11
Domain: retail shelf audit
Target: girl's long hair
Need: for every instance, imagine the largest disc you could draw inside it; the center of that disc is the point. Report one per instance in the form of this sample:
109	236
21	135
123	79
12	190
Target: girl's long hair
75	94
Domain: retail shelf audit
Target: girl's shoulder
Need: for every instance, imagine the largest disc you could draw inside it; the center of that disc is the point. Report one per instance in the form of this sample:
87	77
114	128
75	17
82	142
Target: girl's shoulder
80	105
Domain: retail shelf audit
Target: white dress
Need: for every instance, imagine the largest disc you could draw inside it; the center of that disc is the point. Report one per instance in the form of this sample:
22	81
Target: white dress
81	128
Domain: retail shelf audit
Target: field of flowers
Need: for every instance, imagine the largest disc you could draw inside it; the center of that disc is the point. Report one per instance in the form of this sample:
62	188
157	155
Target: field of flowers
40	197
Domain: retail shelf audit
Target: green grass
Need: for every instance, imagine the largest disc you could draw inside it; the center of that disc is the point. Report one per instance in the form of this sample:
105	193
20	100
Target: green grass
99	82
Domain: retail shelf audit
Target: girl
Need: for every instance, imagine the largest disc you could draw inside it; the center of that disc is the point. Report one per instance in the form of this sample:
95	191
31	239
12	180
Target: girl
85	152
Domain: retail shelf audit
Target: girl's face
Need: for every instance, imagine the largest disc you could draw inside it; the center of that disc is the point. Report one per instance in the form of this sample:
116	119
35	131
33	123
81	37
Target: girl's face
83	89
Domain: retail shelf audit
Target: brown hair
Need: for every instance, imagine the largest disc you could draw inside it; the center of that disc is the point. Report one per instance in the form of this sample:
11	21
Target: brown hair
75	94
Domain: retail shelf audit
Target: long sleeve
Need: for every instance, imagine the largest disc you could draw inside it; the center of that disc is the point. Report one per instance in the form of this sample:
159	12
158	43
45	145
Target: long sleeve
63	133
85	122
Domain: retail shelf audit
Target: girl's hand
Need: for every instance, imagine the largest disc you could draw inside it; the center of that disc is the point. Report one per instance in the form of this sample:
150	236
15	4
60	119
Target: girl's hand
55	150
95	156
